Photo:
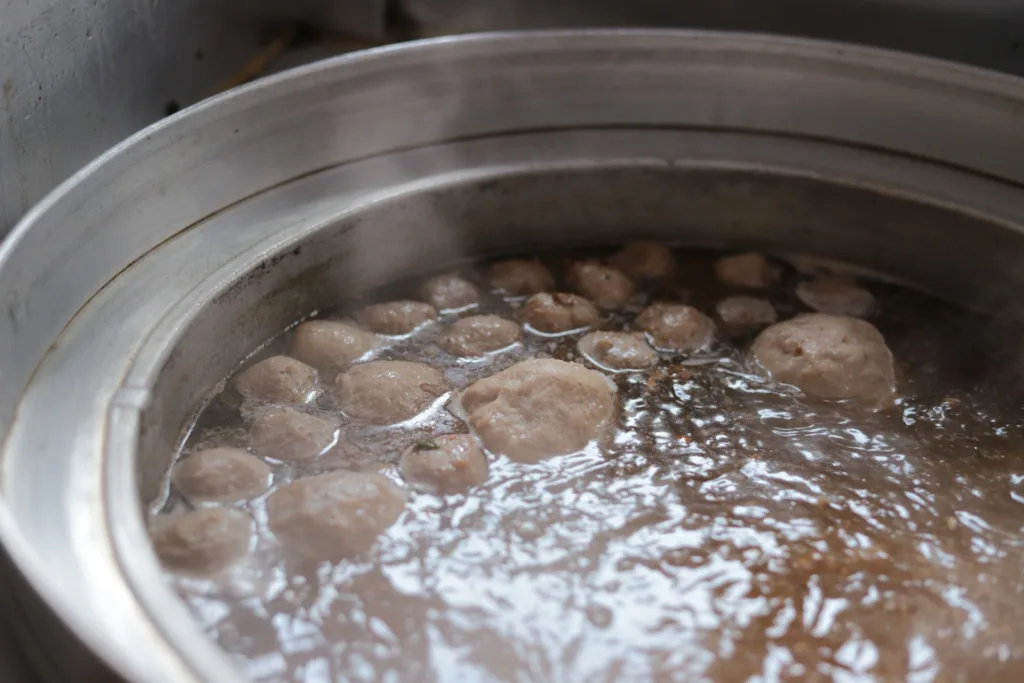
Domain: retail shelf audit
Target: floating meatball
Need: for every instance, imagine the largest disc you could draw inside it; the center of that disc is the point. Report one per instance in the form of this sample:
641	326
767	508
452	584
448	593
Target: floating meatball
644	260
449	292
750	270
618	350
291	435
675	327
397	317
833	357
278	379
445	464
329	345
335	515
388	391
836	296
538	409
202	541
520	277
222	475
744	314
605	286
558	313
479	335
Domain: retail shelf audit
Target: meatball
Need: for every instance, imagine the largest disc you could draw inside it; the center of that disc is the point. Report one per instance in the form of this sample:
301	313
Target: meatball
334	515
445	464
291	435
479	335
644	260
832	357
558	313
278	379
329	345
744	314
675	327
618	350
397	317
750	270
836	296
449	292
388	391
605	286
222	475
202	541
538	409
520	277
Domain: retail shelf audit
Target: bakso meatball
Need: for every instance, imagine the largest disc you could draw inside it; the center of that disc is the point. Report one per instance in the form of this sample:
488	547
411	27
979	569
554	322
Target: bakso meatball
520	277
329	345
750	270
396	317
676	327
278	379
291	435
479	335
444	464
222	475
618	350
388	391
538	408
558	313
449	292
833	357
334	515
202	541
605	286
744	314
836	296
644	260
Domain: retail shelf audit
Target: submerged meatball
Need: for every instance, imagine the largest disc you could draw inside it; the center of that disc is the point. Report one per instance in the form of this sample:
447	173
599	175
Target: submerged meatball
744	314
520	277
335	515
202	541
644	260
605	286
675	327
836	296
749	270
449	292
397	317
222	475
827	356
278	379
291	435
479	335
538	408
618	350
329	345
558	313
444	464
388	391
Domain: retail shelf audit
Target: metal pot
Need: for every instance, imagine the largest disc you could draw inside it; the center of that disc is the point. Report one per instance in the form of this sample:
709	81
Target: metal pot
132	290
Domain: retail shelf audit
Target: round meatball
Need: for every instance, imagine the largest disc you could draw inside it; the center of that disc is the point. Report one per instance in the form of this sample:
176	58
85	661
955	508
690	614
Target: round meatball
334	515
329	345
644	260
222	475
832	357
750	270
558	313
397	317
445	464
202	541
278	379
520	277
479	335
388	391
744	314
675	327
291	435
449	292
836	296
605	286
618	350
538	409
